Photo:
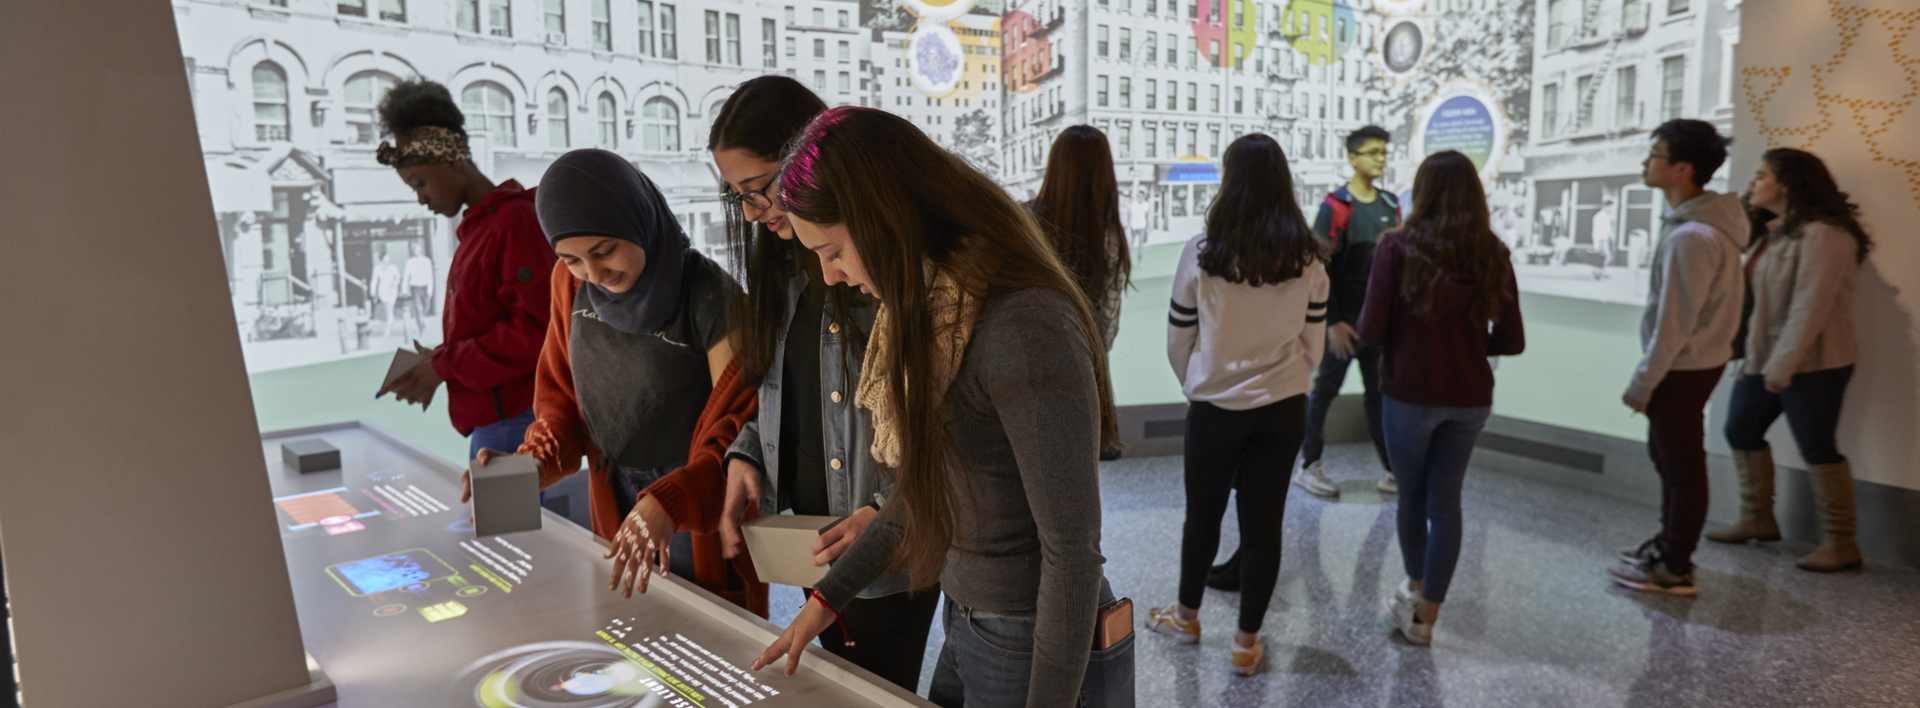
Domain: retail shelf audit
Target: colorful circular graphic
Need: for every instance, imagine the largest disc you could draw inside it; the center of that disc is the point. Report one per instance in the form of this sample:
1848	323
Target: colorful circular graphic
1321	29
470	591
1398	7
1403	48
1463	115
389	610
934	59
557	674
937	11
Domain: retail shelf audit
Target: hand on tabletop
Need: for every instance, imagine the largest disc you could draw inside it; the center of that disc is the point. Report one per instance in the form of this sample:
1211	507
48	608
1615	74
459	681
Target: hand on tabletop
1638	405
830	545
1342	340
743	493
814	618
641	548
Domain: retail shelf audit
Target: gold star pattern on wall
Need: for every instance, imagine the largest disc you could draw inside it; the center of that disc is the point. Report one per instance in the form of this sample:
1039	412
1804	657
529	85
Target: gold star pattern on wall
1873	112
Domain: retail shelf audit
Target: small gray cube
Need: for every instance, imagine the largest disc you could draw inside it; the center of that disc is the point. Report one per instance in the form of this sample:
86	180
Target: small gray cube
506	495
313	455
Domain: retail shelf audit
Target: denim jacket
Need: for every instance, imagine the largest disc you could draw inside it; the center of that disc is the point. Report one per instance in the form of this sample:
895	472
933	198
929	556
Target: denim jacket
858	479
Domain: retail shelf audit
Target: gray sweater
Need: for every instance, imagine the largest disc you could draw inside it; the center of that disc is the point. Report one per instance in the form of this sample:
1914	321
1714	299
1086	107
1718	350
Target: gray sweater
1024	418
1802	304
1694	292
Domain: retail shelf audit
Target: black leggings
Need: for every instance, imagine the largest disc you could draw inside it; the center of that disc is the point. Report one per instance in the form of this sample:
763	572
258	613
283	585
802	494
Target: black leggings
1253	449
889	634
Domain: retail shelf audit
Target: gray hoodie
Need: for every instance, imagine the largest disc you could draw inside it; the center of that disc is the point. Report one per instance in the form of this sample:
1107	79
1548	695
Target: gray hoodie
1696	290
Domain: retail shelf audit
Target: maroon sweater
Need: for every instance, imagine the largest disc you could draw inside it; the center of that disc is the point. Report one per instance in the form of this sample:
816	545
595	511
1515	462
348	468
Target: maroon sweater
1440	359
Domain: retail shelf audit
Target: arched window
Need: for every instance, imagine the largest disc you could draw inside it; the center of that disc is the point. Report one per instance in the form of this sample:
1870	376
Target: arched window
272	121
557	118
363	95
490	108
713	113
660	123
609	121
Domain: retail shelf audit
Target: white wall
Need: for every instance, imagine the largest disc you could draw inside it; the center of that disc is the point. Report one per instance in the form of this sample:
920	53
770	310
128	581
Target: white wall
1797	86
143	562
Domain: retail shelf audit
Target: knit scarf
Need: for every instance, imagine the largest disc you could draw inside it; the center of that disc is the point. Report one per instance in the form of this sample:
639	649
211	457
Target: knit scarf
954	315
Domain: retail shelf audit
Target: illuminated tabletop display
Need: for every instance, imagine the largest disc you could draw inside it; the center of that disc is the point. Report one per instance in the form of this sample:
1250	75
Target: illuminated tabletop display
402	606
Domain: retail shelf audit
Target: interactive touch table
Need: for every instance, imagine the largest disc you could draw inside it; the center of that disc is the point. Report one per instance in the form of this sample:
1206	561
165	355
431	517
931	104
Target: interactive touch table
402	606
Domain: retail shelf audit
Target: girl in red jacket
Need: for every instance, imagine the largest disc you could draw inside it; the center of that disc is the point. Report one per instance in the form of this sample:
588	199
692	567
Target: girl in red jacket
494	311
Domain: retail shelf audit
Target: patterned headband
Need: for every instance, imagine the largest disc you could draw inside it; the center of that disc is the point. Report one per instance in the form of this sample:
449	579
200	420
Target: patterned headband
425	145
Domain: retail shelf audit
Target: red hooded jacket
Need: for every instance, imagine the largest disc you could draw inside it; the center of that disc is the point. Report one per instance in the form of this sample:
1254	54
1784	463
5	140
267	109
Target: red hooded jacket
495	310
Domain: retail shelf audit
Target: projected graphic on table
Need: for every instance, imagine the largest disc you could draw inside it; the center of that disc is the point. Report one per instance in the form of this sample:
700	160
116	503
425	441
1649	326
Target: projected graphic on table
326	509
628	668
416	572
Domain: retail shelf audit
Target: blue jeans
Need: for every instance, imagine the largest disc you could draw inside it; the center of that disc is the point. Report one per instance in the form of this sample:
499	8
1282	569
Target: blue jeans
1430	447
1811	403
987	661
1326	388
504	436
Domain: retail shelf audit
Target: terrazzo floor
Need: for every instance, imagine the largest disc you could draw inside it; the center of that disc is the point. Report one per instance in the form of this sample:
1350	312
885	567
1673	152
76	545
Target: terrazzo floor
1531	619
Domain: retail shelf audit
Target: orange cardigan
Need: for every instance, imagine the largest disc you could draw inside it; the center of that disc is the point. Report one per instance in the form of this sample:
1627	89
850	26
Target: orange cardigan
692	495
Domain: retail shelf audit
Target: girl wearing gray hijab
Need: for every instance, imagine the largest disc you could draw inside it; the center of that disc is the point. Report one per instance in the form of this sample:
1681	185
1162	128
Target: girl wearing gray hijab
636	348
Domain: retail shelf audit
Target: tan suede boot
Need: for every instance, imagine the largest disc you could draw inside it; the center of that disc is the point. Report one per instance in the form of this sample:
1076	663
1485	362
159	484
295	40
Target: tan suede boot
1833	501
1756	499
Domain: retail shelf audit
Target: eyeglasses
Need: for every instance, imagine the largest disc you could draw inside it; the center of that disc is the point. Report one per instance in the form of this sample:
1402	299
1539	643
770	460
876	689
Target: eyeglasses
757	199
1651	155
1371	153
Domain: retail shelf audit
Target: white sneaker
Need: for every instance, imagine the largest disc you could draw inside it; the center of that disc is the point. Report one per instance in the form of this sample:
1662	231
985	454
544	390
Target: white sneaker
1403	610
1387	484
1313	478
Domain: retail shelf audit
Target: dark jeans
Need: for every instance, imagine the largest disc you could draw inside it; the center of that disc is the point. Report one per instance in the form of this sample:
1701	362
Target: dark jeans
1812	406
987	661
1326	387
1676	440
889	634
1252	451
1430	447
628	483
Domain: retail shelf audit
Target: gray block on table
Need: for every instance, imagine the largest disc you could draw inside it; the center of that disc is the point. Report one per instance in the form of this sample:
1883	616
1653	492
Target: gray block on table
506	496
311	455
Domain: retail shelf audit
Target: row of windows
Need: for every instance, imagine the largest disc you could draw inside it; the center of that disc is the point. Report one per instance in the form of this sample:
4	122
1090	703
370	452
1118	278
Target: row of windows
1166	142
1148	51
657	30
1572	20
1264	100
1626	106
844	21
487	105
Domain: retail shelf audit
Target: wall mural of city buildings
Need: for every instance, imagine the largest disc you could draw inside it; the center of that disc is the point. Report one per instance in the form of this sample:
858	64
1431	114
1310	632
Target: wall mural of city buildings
1553	98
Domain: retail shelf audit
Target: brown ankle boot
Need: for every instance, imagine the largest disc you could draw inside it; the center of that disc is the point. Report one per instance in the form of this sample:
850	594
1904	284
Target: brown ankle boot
1756	499
1833	501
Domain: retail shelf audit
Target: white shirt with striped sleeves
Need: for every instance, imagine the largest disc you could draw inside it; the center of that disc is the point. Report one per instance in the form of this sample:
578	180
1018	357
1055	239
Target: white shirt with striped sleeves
1241	347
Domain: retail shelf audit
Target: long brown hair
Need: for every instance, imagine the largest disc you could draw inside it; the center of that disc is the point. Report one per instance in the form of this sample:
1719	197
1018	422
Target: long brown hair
908	203
1450	239
1079	211
1812	196
1255	231
761	117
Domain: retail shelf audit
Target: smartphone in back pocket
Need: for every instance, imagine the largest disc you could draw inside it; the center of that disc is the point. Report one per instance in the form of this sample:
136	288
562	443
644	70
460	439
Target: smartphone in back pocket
1115	624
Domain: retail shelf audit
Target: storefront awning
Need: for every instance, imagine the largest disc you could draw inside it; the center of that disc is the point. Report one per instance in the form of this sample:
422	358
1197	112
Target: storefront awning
238	187
386	211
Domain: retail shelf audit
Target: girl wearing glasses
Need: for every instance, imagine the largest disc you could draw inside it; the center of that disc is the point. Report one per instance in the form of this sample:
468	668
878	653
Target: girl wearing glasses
802	342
